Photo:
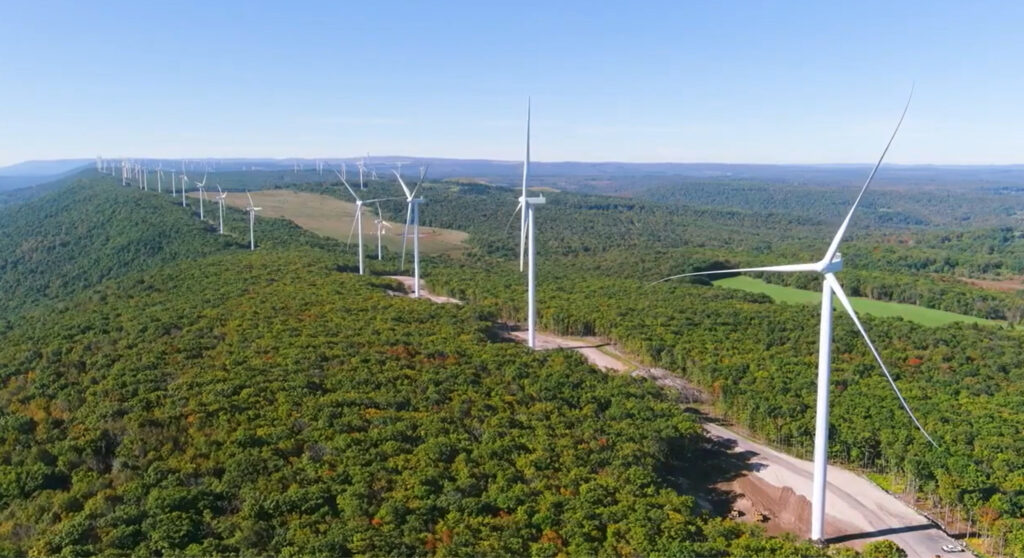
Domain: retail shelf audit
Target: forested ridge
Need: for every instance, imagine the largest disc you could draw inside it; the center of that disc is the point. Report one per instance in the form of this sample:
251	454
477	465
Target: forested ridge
758	358
213	400
627	237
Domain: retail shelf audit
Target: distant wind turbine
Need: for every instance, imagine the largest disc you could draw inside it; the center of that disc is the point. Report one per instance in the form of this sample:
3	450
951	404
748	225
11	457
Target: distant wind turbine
201	186
412	217
830	264
357	222
252	209
184	184
381	223
221	196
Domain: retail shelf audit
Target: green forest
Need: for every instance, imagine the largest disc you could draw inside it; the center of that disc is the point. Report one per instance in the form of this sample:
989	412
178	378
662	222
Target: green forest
599	256
195	398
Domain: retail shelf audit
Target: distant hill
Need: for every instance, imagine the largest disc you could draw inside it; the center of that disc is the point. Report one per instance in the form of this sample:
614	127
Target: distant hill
44	168
567	174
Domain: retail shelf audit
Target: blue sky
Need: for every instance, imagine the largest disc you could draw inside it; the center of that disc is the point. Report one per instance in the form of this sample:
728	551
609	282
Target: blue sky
766	82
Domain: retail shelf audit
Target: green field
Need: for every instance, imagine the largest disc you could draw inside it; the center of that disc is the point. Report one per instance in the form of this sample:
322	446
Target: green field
918	314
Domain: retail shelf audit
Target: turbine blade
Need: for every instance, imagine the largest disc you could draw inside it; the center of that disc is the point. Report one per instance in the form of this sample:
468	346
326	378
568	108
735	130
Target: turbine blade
351	230
789	268
350	190
405	233
522	241
838	289
834	247
423	174
408	194
250	198
526	173
510	219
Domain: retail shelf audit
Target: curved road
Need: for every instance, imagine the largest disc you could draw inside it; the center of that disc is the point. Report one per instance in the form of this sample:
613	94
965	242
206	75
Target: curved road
863	509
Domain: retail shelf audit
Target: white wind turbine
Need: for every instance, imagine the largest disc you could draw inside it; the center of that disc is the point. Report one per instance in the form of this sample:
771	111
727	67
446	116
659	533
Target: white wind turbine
827	267
221	197
201	186
159	178
381	223
174	187
252	209
357	222
412	216
184	183
527	245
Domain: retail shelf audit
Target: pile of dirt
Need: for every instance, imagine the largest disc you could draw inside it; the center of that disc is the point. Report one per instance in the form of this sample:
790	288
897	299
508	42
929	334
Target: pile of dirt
779	509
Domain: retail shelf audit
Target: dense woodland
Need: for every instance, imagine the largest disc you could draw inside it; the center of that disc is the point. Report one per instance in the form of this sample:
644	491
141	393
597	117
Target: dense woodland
757	358
598	256
219	401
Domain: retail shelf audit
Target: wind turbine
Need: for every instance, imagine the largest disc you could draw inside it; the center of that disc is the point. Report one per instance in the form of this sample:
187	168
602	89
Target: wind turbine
527	246
252	209
357	222
381	223
221	196
174	187
362	168
830	264
159	178
412	216
201	186
184	183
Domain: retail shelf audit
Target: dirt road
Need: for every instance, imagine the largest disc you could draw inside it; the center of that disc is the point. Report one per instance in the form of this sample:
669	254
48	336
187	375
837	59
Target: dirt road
409	283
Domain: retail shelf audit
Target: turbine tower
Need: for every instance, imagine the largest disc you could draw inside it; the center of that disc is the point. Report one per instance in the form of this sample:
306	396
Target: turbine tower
830	264
174	188
412	216
201	186
357	221
252	209
221	196
159	178
527	245
184	183
381	223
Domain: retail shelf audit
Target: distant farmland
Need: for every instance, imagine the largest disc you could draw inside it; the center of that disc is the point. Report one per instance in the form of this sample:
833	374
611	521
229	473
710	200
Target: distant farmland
910	312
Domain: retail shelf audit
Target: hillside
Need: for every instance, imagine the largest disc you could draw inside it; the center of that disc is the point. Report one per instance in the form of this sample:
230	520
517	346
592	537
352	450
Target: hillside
94	230
210	400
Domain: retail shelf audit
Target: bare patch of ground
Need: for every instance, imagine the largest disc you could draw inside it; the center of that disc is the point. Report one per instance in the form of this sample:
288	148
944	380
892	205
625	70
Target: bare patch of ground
410	287
589	347
1003	285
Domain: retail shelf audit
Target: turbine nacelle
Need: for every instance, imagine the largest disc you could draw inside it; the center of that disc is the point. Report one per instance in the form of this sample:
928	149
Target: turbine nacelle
833	266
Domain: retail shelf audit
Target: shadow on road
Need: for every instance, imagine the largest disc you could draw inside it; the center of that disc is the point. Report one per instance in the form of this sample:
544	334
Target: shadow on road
881	533
701	472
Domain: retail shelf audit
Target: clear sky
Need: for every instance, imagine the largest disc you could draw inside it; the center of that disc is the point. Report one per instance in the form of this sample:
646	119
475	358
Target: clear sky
681	81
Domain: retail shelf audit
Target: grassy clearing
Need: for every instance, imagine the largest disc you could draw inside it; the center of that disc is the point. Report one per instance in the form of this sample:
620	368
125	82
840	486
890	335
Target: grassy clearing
910	312
332	217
